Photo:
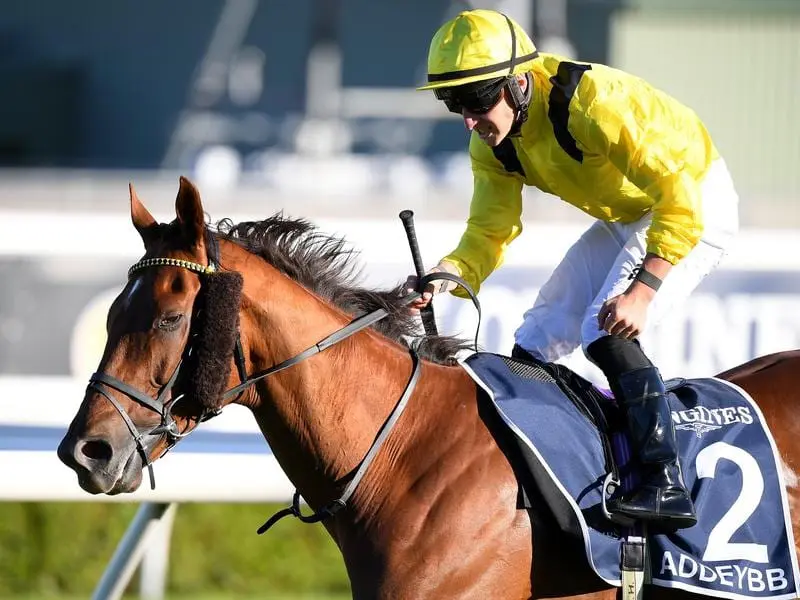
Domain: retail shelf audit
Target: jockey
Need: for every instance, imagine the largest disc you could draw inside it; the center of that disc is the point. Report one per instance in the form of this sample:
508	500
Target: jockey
630	156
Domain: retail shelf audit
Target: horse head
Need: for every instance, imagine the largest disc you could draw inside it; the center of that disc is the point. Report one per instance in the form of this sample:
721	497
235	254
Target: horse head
171	333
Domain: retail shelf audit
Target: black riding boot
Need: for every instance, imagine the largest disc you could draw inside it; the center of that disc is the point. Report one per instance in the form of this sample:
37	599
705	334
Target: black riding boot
662	495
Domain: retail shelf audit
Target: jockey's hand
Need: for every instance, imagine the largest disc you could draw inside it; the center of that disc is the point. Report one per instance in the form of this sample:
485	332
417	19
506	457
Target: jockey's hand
434	287
625	315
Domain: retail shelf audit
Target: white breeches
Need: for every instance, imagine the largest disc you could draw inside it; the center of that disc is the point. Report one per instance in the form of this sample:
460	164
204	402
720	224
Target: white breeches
599	266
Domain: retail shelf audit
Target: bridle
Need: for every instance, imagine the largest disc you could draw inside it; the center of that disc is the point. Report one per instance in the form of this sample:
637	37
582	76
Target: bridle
162	405
168	426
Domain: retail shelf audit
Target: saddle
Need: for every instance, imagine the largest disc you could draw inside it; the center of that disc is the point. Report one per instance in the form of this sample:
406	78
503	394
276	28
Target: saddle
566	441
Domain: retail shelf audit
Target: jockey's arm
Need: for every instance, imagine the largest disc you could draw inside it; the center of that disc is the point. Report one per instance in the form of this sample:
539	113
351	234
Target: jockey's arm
655	265
494	219
651	150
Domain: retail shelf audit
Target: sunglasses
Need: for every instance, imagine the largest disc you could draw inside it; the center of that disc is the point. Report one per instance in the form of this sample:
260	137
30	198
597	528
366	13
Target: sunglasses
477	98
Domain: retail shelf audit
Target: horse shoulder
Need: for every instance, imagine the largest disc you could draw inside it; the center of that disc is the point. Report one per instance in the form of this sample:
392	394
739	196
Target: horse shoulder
456	529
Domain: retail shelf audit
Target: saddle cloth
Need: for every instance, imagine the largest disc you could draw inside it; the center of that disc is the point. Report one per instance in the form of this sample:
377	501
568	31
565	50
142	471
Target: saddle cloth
742	545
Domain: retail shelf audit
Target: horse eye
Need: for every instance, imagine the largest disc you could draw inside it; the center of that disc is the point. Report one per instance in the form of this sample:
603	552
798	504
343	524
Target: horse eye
169	322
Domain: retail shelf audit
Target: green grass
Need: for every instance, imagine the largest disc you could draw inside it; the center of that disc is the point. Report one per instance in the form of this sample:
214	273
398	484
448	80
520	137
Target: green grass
211	597
264	597
59	551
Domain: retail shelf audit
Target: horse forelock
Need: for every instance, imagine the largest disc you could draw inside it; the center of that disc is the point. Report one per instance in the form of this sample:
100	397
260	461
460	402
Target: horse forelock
328	266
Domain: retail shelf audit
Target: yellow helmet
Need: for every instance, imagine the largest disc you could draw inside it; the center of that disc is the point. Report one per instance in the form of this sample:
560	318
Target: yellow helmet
478	45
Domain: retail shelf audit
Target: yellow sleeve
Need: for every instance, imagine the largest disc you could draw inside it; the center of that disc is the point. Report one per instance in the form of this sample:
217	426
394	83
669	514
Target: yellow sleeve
494	218
662	148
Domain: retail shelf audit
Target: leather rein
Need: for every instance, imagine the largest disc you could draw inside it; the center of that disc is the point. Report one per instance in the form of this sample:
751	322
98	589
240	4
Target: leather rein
163	404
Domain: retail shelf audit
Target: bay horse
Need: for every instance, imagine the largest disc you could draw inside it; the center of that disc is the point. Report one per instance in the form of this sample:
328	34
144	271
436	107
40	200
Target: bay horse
436	513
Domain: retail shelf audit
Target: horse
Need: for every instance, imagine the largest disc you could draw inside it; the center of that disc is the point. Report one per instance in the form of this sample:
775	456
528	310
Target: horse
262	314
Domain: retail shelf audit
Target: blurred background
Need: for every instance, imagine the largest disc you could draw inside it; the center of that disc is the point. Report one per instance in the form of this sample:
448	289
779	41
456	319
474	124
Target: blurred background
309	107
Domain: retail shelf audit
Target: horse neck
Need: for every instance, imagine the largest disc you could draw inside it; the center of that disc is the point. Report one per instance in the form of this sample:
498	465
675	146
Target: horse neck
320	415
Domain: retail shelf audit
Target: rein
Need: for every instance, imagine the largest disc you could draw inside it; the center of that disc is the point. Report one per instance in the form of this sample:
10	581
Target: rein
169	427
337	336
336	505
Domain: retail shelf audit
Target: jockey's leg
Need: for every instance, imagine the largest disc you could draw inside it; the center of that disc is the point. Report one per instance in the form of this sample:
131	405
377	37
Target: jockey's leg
637	383
661	495
551	329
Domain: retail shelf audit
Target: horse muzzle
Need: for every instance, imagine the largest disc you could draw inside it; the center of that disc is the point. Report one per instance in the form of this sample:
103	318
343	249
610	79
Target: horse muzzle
102	466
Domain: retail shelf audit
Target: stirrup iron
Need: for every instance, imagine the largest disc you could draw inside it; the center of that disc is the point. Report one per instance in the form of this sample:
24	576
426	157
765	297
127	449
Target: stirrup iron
610	485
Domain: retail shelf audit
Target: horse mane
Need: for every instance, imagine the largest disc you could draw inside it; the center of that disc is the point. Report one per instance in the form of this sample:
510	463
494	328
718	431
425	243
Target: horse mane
327	266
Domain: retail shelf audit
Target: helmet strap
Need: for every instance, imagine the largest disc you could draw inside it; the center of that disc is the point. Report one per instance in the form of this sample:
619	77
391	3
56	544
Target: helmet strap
520	99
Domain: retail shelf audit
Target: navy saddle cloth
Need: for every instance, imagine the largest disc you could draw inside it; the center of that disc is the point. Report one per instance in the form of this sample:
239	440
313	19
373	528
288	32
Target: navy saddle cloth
742	546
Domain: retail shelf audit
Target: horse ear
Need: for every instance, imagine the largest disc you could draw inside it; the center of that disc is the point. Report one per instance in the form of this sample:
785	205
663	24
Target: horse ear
141	217
189	211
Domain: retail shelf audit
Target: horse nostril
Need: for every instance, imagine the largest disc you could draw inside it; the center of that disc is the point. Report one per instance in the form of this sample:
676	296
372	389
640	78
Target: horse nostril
97	450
